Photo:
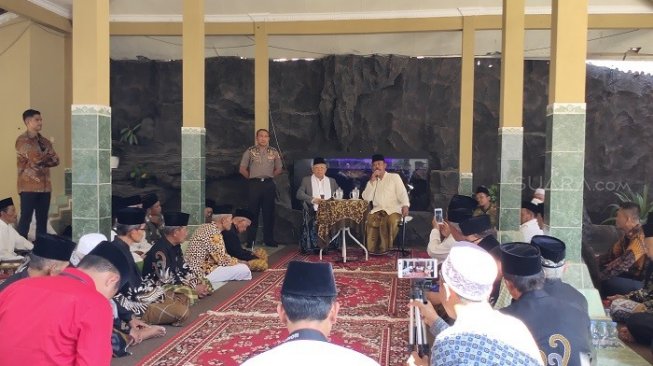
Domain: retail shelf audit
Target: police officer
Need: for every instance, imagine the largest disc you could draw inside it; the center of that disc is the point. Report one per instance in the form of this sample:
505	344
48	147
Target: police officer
260	163
553	263
561	331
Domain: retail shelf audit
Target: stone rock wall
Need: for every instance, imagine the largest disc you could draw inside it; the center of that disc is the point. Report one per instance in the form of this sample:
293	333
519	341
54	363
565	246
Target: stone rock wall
360	105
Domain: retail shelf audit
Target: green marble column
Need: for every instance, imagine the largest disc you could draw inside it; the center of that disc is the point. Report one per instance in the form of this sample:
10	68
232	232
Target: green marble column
565	162
511	142
91	172
465	184
193	174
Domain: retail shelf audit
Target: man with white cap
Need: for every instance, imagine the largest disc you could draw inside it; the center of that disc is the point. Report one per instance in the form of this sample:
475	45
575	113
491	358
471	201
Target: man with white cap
538	196
309	309
561	330
480	334
86	243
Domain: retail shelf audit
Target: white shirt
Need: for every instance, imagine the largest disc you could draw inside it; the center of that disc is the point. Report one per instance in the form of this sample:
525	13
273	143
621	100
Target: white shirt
313	353
529	229
439	249
320	187
387	194
10	240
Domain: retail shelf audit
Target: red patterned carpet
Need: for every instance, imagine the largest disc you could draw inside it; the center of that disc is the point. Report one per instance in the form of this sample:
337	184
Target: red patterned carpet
372	320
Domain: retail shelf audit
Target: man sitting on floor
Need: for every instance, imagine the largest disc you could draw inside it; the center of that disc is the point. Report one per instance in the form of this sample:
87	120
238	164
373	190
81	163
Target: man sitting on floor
50	256
10	240
623	307
479	230
144	298
553	251
558	327
529	226
164	263
257	259
309	309
390	203
64	319
445	235
207	256
153	219
480	335
486	206
622	268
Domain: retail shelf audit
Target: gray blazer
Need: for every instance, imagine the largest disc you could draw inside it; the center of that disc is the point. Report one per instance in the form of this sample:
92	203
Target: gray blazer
305	191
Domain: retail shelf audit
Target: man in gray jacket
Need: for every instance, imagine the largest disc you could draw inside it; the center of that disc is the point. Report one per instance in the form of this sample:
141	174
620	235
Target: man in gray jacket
314	189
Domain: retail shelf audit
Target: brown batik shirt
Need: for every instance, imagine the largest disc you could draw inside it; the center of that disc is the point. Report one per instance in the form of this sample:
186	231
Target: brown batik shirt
34	158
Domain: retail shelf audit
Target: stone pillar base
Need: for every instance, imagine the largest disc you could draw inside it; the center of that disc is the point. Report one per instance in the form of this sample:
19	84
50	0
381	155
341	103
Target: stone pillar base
91	172
193	174
466	184
511	143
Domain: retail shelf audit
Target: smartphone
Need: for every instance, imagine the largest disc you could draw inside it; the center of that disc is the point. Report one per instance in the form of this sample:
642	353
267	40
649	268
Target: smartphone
439	218
417	268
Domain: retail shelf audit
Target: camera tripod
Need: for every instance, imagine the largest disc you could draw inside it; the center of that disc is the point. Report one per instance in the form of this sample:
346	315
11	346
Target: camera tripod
416	328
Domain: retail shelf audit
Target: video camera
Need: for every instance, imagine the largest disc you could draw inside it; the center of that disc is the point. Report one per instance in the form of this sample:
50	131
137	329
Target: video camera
422	272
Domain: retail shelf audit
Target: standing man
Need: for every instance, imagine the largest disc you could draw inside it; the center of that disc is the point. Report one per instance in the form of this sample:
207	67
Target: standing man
260	164
35	156
390	203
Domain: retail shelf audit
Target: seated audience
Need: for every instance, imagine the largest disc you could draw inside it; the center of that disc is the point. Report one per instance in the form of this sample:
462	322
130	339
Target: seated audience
153	219
553	253
50	256
208	210
444	235
529	226
314	189
10	240
639	328
86	243
538	199
164	263
64	319
486	206
560	329
143	298
623	306
309	310
480	334
207	256
622	268
479	230
389	198
538	196
257	260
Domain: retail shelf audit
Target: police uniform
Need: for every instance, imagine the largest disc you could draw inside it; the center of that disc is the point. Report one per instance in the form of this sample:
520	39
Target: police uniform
261	162
561	331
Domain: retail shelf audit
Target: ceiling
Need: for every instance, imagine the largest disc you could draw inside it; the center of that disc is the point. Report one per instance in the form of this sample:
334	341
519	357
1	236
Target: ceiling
611	44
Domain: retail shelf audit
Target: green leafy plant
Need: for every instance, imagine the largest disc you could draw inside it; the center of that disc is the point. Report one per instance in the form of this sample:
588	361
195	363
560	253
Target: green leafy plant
128	134
140	176
494	192
641	199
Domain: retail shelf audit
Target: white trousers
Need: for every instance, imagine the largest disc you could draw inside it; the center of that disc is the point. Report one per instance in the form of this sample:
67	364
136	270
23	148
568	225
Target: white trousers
238	272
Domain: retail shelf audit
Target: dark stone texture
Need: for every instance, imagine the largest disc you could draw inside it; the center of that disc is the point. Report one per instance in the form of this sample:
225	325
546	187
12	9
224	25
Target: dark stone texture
360	105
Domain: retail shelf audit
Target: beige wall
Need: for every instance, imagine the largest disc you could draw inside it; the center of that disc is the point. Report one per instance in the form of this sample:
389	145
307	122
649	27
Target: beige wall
32	74
14	96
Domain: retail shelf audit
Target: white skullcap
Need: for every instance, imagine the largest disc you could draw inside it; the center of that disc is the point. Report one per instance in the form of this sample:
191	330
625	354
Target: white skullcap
540	191
88	242
470	271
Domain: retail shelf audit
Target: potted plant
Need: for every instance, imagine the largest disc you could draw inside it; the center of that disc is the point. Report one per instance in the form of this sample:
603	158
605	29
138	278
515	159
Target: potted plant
641	199
127	136
140	176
